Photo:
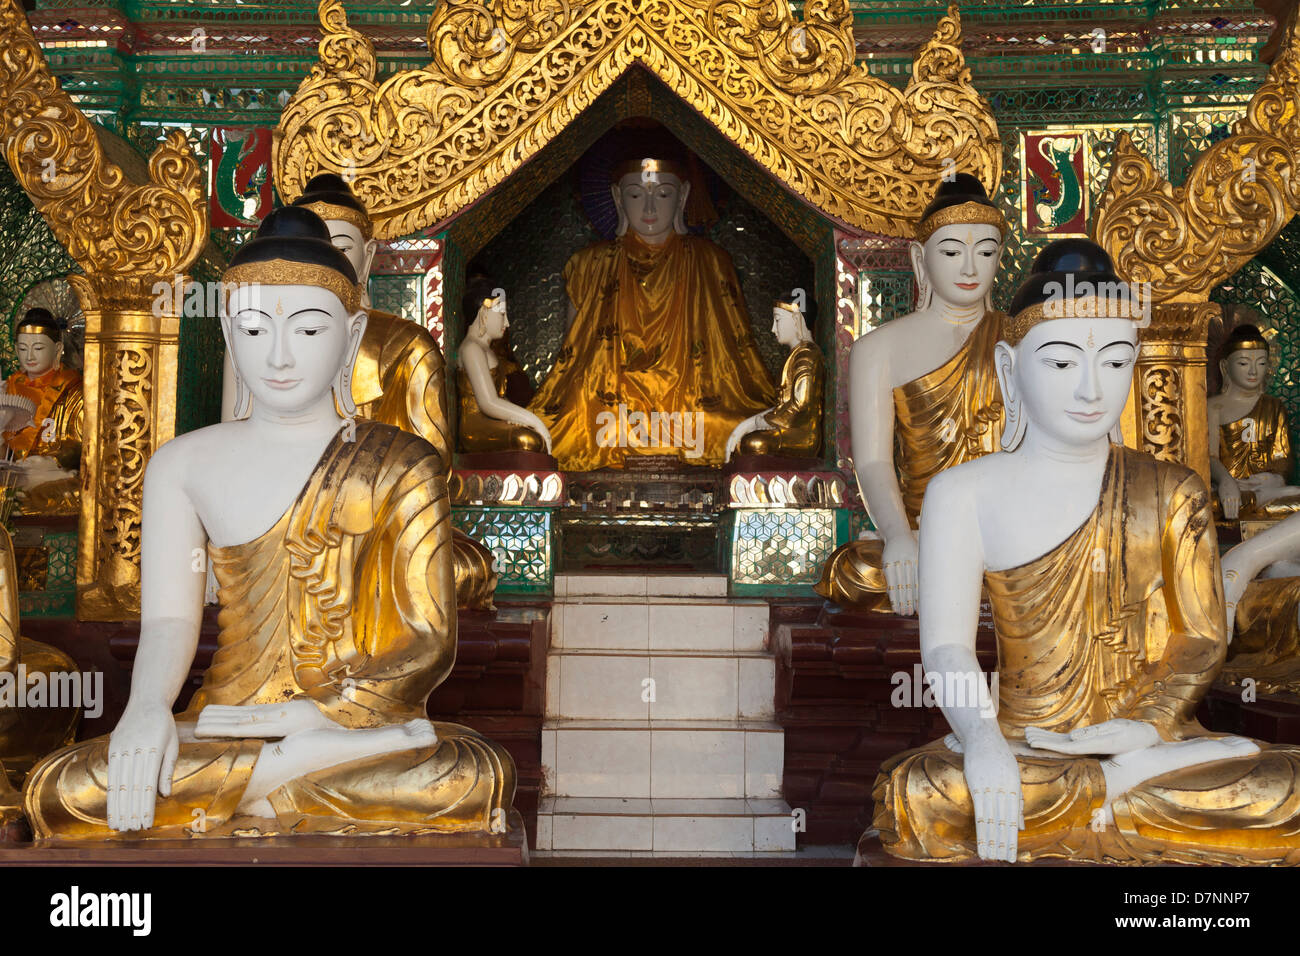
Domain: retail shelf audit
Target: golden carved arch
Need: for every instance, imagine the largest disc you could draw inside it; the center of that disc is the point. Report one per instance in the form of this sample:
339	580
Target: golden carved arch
508	75
1239	195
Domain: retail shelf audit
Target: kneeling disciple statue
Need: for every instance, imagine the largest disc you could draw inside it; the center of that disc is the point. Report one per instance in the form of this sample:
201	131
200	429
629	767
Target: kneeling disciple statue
793	427
490	422
331	543
1250	447
1102	570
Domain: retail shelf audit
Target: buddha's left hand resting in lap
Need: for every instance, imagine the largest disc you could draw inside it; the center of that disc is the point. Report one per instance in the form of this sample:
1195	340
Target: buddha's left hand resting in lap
1102	569
331	542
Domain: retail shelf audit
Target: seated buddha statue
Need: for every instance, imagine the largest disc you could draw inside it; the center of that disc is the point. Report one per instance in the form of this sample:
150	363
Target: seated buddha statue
48	450
399	377
923	395
490	422
1261	589
331	542
1102	570
657	327
793	427
1250	447
27	733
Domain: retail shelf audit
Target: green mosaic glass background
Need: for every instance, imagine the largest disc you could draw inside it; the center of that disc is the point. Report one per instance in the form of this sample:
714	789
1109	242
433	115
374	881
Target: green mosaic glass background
522	539
781	550
60	595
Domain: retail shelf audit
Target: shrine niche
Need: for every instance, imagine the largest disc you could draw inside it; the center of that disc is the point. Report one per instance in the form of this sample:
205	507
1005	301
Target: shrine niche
808	145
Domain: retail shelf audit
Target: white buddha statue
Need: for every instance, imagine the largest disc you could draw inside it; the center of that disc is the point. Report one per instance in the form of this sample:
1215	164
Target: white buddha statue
922	395
331	541
1250	441
1102	570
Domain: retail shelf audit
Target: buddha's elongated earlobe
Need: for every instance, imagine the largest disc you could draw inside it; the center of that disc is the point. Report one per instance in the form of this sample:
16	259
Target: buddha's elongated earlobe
343	382
924	292
1014	419
622	213
679	218
243	396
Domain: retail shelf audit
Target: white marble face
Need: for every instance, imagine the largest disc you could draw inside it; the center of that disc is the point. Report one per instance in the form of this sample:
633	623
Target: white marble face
1073	376
961	262
651	202
37	353
1247	369
348	240
787	327
494	318
288	342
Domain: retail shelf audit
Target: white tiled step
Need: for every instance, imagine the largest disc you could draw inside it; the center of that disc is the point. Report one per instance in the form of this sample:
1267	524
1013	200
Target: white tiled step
663	684
639	623
618	584
664	825
668	759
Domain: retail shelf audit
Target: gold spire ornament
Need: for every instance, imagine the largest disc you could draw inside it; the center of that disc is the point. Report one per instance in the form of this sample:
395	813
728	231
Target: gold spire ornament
507	76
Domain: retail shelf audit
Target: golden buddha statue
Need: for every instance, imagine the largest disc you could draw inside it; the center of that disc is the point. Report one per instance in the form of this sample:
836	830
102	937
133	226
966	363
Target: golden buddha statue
1261	587
490	422
1102	570
793	427
1250	445
658	327
923	395
48	449
331	543
27	733
399	376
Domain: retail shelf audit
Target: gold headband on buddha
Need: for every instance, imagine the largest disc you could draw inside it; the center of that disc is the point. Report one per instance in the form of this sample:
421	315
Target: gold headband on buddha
286	272
1244	345
789	307
355	217
642	166
1016	327
39	328
966	213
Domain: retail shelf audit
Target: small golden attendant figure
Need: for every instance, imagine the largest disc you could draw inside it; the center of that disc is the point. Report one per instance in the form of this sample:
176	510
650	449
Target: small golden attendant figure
793	427
1250	446
331	543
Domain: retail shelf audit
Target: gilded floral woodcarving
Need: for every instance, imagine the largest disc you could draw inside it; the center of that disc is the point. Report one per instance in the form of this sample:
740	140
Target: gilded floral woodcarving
1240	194
508	75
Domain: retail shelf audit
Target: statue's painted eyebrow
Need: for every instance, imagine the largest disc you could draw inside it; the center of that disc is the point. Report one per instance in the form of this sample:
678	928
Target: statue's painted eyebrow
249	308
294	315
1069	345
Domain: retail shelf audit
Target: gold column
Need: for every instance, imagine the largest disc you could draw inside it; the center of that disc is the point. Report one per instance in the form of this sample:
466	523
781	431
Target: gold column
1166	416
128	238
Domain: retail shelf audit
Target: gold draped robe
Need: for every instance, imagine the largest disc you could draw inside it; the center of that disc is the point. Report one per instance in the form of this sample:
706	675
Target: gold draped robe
794	426
482	433
1140	638
399	379
948	416
26	733
1268	450
1266	646
657	329
342	602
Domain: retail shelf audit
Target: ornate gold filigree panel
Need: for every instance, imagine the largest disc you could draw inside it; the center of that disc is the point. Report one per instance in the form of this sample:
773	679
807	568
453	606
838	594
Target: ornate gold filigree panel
508	75
126	237
1166	416
1239	194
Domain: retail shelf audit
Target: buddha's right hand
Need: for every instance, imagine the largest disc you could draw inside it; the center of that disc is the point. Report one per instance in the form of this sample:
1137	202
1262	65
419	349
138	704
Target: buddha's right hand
993	778
900	560
266	721
142	752
1230	498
